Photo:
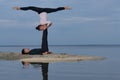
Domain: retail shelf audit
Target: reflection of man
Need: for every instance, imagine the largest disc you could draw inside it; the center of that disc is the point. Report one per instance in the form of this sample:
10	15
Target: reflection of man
45	71
44	67
44	47
44	23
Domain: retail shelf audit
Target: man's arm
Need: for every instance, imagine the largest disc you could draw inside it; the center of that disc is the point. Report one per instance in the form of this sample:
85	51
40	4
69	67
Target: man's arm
35	51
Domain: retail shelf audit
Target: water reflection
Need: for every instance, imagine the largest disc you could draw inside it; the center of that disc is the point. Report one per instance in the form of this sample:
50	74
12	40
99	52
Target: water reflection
44	67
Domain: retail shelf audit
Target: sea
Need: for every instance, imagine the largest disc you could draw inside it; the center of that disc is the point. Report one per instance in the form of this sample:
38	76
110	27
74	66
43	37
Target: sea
107	69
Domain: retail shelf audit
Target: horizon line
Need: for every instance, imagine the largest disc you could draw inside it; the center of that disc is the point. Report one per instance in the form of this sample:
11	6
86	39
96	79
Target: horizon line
61	45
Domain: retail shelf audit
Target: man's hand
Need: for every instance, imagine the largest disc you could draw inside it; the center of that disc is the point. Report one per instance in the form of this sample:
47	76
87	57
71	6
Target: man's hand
67	8
16	8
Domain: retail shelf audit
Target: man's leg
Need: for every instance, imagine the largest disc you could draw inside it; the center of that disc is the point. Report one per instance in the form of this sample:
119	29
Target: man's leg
44	45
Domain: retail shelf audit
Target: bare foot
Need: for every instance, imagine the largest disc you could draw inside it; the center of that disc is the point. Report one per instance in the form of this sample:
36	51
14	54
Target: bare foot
45	53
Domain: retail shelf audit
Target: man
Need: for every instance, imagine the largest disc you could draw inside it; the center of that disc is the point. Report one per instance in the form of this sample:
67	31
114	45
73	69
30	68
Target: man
44	23
42	51
44	47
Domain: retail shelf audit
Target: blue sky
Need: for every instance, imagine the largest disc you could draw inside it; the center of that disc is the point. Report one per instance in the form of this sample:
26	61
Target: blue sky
89	22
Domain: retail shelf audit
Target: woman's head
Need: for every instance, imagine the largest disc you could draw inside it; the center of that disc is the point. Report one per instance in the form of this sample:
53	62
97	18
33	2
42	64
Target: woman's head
41	27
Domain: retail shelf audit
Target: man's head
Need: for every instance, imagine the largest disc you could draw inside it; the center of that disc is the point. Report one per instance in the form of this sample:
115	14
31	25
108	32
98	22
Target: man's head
25	51
41	27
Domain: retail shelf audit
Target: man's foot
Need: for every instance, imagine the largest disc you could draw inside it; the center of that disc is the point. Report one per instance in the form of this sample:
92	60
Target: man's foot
49	24
46	26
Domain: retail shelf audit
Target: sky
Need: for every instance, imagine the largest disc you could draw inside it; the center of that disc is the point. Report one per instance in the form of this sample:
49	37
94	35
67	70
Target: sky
89	22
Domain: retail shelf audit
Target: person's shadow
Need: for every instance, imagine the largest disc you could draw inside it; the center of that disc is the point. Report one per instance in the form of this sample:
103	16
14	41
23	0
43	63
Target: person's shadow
44	67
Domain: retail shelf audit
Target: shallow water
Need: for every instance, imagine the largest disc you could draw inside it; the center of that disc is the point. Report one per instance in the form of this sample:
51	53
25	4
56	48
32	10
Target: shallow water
107	69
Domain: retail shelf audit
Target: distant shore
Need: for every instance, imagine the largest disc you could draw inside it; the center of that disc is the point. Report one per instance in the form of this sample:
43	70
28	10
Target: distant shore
60	45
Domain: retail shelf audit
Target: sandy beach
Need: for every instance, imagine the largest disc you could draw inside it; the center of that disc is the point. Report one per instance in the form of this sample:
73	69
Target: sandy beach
60	57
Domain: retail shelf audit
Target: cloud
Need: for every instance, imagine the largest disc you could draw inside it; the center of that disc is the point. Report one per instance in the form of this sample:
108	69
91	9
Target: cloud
1	0
4	22
13	23
76	19
100	3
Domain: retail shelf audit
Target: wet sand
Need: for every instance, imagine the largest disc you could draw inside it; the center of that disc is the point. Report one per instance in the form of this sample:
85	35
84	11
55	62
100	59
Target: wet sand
61	57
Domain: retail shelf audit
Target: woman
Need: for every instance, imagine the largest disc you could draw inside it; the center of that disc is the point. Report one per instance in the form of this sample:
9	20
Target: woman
44	23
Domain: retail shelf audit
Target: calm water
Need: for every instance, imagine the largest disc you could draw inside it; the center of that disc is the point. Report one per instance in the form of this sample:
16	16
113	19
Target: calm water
85	70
